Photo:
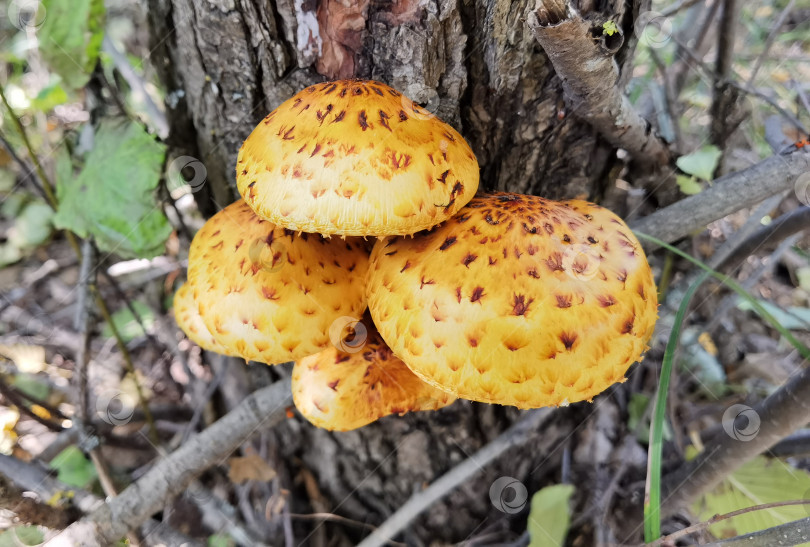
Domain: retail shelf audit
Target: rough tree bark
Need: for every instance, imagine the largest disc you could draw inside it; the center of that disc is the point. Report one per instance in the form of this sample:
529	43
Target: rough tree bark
227	63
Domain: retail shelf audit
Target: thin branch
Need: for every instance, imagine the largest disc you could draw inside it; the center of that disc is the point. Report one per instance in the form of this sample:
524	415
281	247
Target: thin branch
769	42
122	64
421	501
263	408
589	74
722	97
38	479
781	413
670	539
46	185
727	194
791	533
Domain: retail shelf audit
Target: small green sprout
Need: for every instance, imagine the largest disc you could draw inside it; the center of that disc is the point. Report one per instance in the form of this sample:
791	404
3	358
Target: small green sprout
609	28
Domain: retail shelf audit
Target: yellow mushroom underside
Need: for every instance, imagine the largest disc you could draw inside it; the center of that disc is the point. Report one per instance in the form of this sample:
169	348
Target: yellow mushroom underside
267	294
517	300
342	390
355	158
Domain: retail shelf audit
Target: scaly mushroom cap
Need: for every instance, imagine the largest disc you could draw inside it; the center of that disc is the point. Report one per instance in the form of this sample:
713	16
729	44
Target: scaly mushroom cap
358	382
268	295
517	300
190	322
355	158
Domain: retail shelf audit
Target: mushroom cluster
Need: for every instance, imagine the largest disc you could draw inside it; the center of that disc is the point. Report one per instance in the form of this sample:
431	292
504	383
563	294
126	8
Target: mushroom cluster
500	298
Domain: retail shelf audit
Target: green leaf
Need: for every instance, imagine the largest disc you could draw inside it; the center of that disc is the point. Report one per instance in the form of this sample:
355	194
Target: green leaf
757	482
70	38
21	535
125	322
30	386
220	540
700	163
792	318
550	515
112	198
688	185
609	28
49	96
32	226
73	467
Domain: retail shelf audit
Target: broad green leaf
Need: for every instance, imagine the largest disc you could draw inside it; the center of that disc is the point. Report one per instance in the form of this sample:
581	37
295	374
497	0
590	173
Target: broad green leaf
125	322
21	535
757	482
550	515
70	38
700	163
688	185
112	198
73	467
792	318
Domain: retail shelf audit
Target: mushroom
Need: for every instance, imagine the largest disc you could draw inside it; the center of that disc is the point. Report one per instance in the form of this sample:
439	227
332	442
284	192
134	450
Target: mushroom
516	300
355	158
268	295
189	320
359	381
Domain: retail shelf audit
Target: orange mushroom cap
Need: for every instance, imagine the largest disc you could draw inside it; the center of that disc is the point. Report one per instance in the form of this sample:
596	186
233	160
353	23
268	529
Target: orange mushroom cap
189	320
268	295
517	300
356	158
359	381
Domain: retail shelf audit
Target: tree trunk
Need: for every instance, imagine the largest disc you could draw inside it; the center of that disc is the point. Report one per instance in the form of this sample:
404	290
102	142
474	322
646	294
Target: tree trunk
227	63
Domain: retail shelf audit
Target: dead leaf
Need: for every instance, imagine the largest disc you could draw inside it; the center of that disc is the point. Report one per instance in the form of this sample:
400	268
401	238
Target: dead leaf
250	468
29	359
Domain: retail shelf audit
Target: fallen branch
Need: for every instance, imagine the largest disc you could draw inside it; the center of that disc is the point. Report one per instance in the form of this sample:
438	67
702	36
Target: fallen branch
726	195
110	522
421	501
790	533
780	414
37	479
670	539
589	75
